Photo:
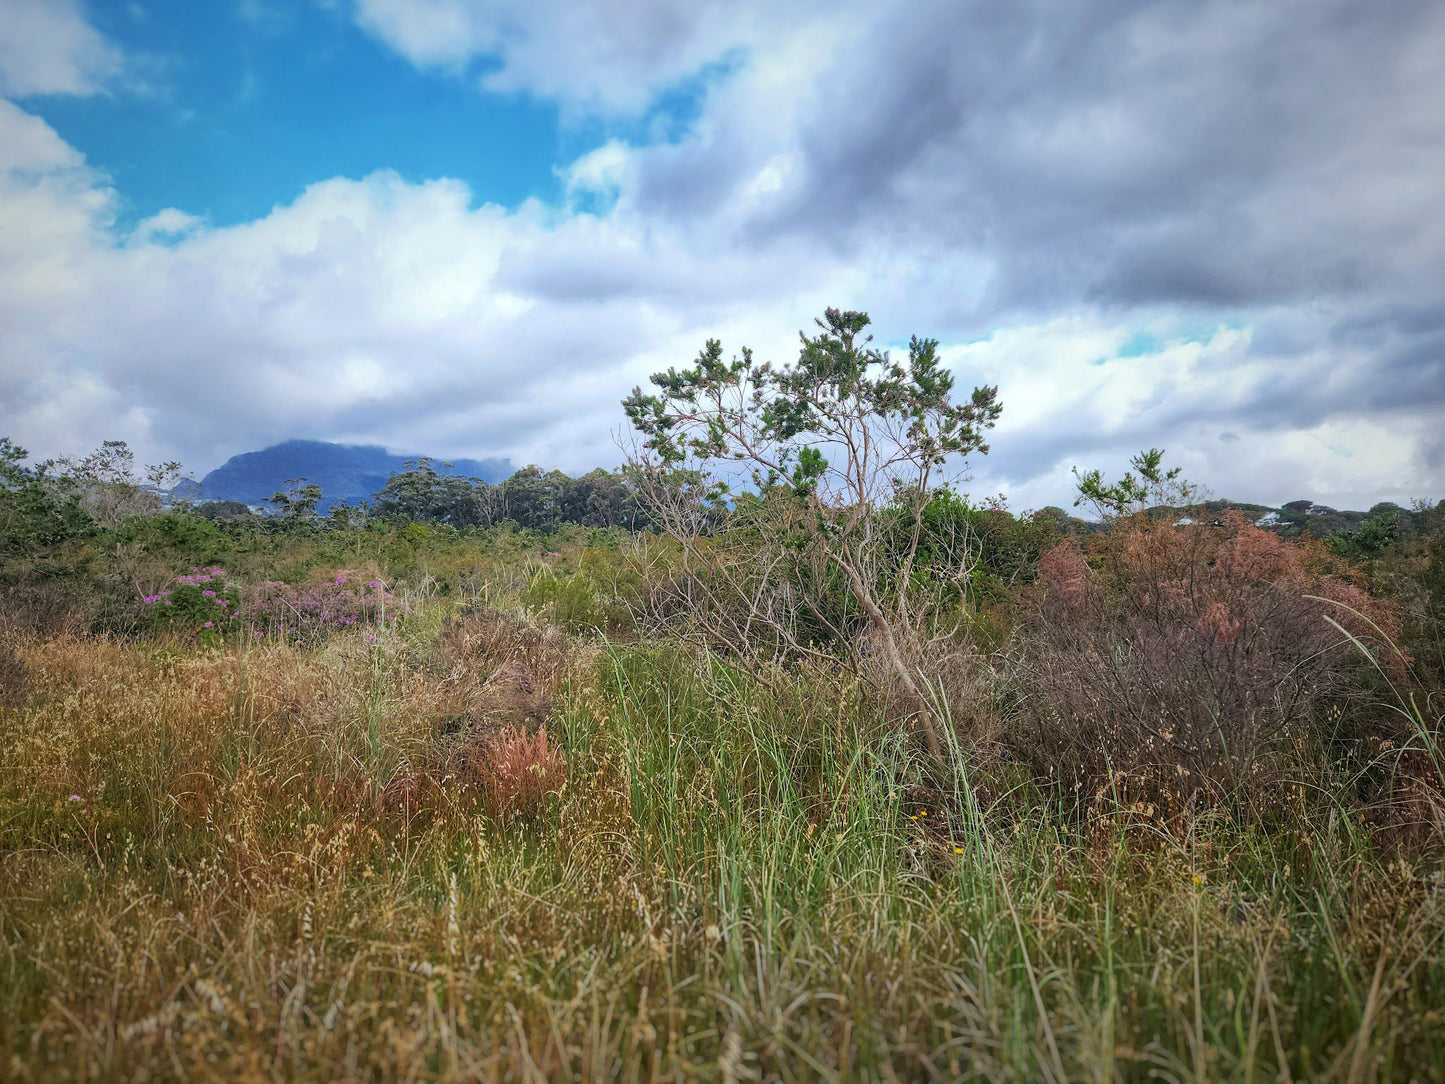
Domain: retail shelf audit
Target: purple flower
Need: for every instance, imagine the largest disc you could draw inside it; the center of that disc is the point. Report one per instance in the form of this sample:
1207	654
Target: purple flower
75	798
206	625
209	593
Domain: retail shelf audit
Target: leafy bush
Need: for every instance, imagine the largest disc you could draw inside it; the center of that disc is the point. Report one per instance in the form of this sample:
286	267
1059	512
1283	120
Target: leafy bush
599	596
202	605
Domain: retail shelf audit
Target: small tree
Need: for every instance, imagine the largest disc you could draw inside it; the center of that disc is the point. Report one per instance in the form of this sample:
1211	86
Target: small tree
297	503
1151	486
843	448
35	511
106	485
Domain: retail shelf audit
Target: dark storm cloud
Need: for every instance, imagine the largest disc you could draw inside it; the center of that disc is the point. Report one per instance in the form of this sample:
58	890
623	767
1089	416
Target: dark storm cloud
1229	159
1207	153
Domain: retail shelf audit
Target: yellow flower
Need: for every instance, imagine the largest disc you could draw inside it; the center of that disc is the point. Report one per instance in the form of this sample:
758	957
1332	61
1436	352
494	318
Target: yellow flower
1198	878
958	850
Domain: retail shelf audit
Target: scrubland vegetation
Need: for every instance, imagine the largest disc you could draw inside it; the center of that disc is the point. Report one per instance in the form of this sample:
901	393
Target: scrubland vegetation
779	786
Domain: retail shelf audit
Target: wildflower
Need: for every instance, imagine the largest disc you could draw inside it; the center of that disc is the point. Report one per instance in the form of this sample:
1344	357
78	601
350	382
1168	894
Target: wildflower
958	850
75	798
209	593
206	625
1197	878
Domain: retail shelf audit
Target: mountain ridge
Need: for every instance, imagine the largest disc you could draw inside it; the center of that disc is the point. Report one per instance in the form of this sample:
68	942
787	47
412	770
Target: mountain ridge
345	472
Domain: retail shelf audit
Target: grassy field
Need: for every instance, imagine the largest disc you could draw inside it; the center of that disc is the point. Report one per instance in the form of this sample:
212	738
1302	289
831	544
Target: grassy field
263	861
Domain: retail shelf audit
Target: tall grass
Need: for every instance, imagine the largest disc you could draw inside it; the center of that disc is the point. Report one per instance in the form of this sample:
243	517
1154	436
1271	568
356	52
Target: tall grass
255	863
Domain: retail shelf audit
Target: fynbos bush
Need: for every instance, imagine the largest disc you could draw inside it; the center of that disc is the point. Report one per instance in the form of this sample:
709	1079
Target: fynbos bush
202	605
311	612
1175	666
511	770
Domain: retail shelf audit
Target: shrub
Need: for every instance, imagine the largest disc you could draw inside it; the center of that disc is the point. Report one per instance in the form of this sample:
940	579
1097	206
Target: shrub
202	605
1170	670
14	678
576	603
51	607
511	770
311	612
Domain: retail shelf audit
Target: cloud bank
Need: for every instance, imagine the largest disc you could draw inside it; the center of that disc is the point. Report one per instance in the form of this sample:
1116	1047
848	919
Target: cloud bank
1211	227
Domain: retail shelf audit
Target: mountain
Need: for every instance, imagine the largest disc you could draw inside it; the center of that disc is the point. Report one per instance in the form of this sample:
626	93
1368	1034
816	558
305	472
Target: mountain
345	472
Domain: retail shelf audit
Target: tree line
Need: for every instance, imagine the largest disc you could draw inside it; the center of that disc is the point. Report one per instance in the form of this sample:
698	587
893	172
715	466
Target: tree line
43	503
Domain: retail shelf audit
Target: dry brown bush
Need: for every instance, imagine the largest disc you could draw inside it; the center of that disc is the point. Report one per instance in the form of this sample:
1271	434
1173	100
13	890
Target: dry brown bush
1171	669
495	669
14	678
499	678
50	608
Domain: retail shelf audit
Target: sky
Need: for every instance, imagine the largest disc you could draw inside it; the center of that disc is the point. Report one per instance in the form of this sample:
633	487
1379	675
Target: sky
470	227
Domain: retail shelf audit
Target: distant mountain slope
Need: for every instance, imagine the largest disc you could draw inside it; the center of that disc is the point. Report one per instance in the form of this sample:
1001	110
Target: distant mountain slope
345	472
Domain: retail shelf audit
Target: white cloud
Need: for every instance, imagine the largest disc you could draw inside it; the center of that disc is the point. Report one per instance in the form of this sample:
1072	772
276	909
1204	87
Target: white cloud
168	223
49	47
609	57
1034	187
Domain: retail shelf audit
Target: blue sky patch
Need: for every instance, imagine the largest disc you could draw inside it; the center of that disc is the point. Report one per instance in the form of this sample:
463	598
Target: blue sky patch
229	111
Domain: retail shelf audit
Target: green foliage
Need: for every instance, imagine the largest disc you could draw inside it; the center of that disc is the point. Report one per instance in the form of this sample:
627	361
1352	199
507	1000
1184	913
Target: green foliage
422	493
296	504
1372	537
227	511
35	515
531	498
180	535
778	420
1151	486
201	606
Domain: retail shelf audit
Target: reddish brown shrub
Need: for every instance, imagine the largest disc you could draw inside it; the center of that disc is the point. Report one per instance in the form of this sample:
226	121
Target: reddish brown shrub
511	771
1172	669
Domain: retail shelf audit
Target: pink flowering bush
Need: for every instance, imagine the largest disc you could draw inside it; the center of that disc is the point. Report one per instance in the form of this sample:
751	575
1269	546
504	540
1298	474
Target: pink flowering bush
310	612
202	605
